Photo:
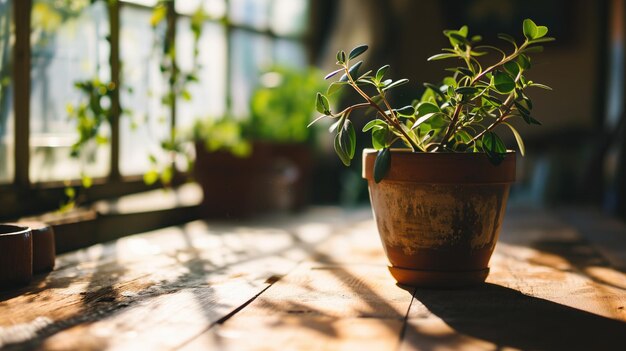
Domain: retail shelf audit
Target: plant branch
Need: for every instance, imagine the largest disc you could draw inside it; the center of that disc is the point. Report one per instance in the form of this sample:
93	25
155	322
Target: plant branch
392	121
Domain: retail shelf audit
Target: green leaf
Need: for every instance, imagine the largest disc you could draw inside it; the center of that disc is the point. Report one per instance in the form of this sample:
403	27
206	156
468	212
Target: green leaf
494	147
382	164
373	123
380	74
379	137
441	57
158	14
86	181
466	90
523	61
341	57
357	51
518	138
331	74
406	110
502	82
530	29
348	140
541	31
512	67
151	177
543	40
533	49
343	156
542	86
334	87
424	108
321	104
396	84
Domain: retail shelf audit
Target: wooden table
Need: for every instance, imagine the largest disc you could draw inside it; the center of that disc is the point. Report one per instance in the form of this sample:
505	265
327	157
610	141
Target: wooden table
318	281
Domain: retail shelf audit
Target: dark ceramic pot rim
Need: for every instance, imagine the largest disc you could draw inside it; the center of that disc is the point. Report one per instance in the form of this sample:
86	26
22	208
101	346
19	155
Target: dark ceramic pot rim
12	229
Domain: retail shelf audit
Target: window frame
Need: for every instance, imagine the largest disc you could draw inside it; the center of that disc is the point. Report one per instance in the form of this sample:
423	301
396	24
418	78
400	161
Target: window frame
21	196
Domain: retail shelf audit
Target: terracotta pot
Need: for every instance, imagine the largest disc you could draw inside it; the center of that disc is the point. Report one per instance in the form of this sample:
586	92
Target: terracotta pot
439	214
243	186
44	252
16	255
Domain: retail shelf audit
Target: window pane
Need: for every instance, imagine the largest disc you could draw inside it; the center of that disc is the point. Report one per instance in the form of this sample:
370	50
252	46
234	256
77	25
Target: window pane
6	94
208	95
289	17
213	8
251	54
290	53
253	13
68	45
148	121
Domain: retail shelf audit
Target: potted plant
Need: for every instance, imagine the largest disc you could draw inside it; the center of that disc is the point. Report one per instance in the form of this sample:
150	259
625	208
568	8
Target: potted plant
280	108
439	201
239	177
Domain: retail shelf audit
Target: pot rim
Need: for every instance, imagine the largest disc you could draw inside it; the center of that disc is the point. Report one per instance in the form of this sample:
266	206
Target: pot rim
7	229
442	167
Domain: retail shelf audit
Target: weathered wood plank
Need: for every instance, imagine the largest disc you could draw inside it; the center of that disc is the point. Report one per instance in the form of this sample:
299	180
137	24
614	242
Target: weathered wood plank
318	307
540	295
159	289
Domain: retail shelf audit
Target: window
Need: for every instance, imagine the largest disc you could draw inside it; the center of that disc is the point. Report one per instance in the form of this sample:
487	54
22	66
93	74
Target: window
72	41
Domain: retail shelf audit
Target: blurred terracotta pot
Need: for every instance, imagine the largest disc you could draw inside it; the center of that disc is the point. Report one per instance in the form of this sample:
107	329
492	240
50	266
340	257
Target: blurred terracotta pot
44	252
244	186
439	214
16	255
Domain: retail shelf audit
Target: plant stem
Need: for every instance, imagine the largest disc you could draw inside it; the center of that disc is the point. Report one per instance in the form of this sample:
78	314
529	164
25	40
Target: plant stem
457	110
508	106
392	121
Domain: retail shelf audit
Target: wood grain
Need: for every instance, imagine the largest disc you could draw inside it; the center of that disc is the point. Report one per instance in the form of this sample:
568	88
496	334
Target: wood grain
319	281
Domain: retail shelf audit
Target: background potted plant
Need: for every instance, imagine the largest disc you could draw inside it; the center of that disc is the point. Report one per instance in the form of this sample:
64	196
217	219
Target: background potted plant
280	108
439	201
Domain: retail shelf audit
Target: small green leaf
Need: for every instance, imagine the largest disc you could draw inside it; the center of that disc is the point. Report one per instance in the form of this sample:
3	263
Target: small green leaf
542	86
341	57
406	110
343	156
518	138
348	141
494	147
321	104
331	74
373	123
442	56
543	40
530	29
424	108
541	31
382	164
523	61
357	51
396	84
533	49
379	137
380	74
466	90
151	177
86	181
502	82
334	87
512	67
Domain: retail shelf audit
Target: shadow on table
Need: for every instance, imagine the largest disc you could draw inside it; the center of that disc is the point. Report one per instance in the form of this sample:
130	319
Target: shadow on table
506	317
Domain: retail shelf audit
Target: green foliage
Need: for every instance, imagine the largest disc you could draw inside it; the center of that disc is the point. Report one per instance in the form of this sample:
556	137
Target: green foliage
225	133
458	115
281	106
